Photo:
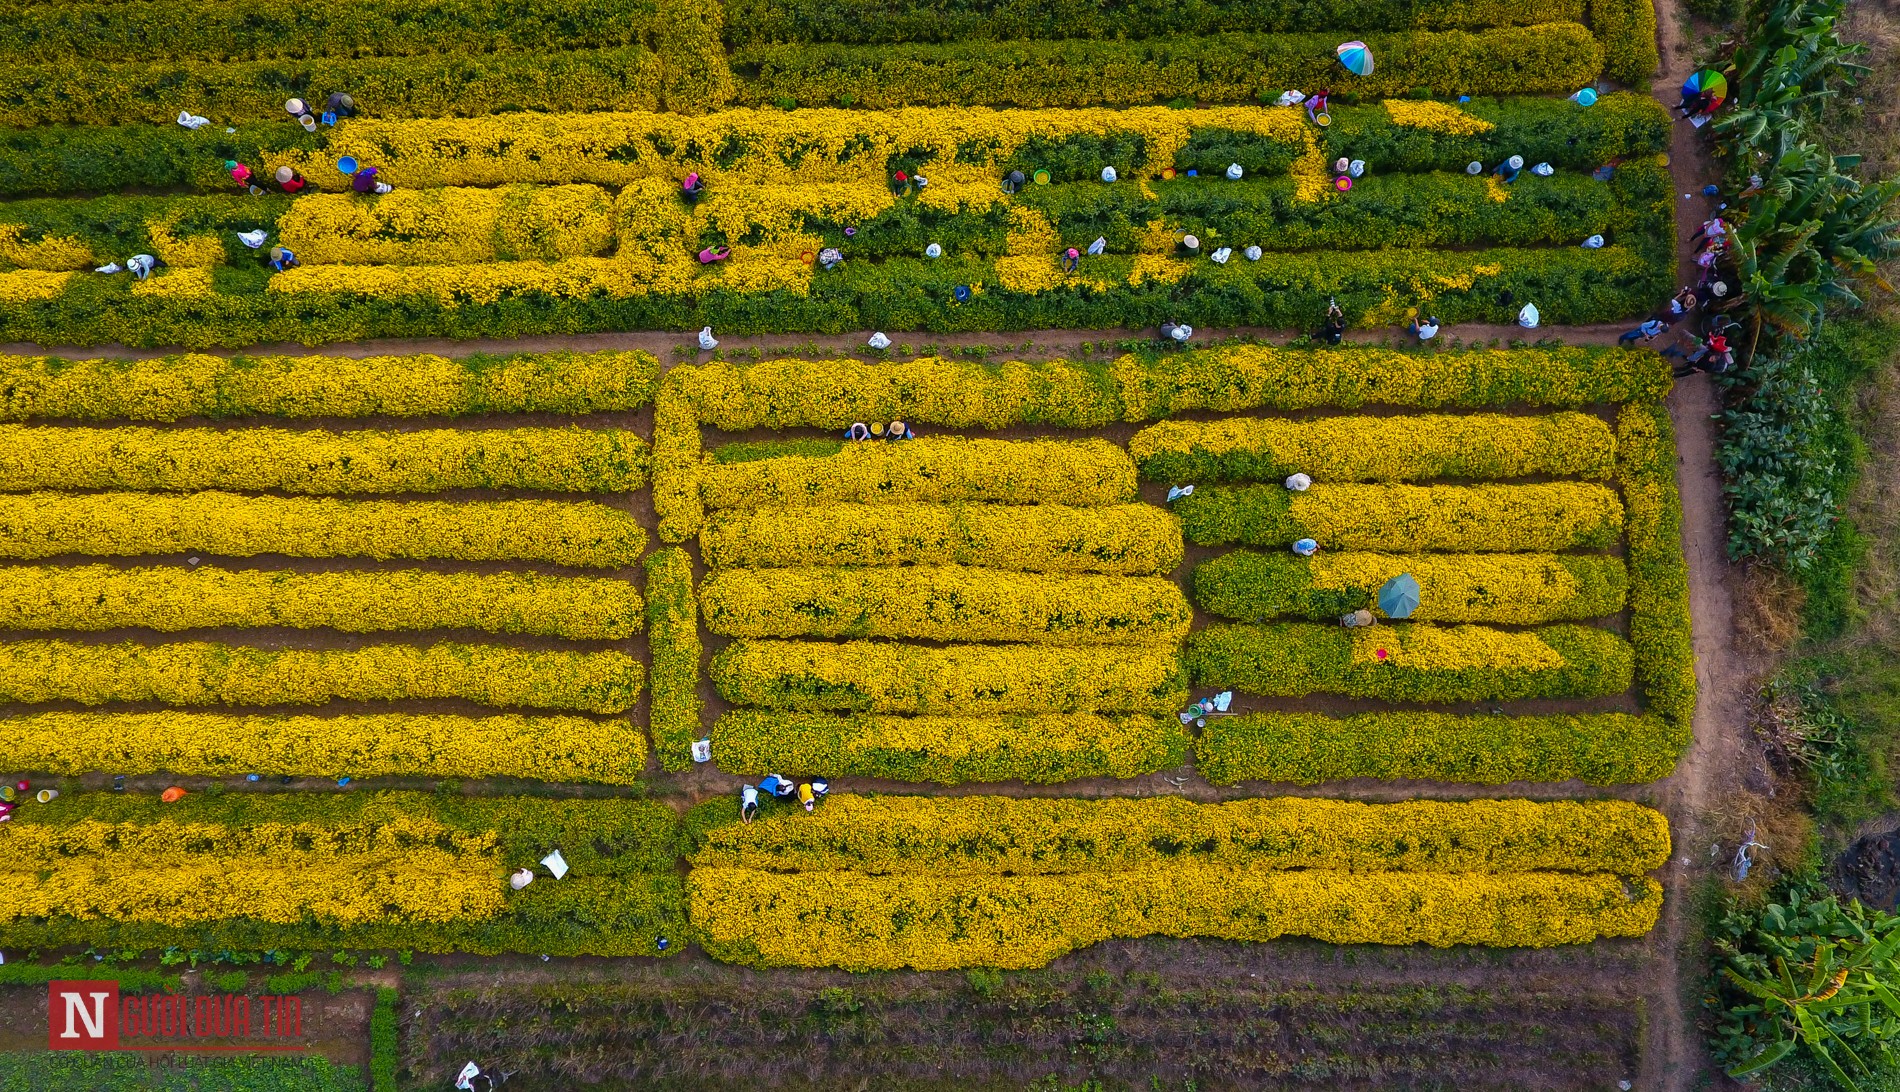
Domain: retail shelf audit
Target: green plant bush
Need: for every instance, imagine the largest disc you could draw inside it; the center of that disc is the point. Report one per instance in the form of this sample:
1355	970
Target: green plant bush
625	78
673	628
1622	125
870	22
1627	29
279	30
1310	748
382	1041
1570	286
1224	68
1659	625
1423	663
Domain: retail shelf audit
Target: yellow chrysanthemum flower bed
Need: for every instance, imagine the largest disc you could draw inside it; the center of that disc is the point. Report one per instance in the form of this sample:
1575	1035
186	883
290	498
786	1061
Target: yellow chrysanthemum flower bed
100	597
1123	539
36	525
1381	449
988	835
168	388
1411	661
1540	517
945	603
127	457
947	749
552	748
357	870
407	868
943	468
883	677
450	225
1511	589
865	923
193	673
752	146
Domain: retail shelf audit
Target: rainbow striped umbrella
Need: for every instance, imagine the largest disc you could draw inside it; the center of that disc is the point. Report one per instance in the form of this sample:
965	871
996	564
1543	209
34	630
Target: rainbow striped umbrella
1356	57
1707	81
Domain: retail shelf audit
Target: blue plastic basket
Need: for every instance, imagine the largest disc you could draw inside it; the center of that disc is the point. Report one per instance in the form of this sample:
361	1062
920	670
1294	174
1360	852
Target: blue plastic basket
347	164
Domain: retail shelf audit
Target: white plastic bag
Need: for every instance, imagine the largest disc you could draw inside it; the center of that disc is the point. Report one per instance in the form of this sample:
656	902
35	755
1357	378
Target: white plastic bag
1527	318
706	340
879	341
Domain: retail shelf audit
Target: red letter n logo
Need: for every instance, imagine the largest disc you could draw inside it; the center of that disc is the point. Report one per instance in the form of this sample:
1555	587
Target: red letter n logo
82	1016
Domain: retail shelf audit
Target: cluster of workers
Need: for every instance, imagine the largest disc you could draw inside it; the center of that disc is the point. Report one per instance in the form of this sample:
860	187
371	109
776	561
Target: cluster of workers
1700	313
782	790
878	430
288	180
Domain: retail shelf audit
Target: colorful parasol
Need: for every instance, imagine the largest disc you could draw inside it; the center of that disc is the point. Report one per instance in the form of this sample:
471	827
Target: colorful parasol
1356	57
1707	81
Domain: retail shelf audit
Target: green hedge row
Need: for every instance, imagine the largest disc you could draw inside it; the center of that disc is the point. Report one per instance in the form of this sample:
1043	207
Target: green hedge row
112	158
873	22
1397	210
1659	574
1551	57
1622	125
1423	663
297	29
623	78
1310	748
1570	286
622	895
673	637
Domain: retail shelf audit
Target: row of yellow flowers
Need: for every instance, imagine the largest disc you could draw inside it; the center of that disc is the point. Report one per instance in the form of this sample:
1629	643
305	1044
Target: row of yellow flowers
282	886
1511	589
450	225
549	748
865	923
943	468
198	673
883	677
1124	539
317	461
1386	449
987	835
945	603
1480	748
751	146
168	388
388	870
1412	661
36	525
101	597
947	749
1345	516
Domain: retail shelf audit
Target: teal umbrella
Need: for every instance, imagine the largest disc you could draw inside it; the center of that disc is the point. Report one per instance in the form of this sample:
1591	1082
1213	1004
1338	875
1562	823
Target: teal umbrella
1398	597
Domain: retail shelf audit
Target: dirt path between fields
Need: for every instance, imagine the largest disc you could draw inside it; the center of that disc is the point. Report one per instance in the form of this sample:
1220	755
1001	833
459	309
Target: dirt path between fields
1675	1058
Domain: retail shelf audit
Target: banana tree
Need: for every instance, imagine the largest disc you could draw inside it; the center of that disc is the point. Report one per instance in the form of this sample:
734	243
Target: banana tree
1810	974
